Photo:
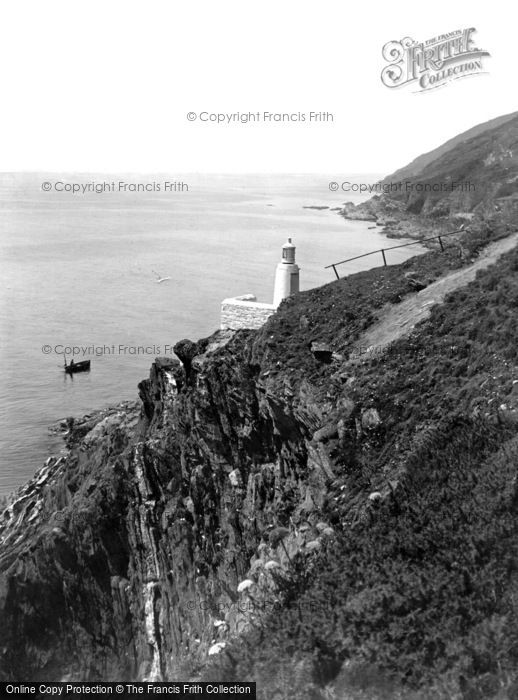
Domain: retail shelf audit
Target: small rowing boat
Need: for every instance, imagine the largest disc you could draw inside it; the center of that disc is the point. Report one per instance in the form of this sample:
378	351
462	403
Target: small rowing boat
74	367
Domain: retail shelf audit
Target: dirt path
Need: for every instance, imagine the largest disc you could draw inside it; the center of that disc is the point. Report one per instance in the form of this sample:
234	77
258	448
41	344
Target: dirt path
398	320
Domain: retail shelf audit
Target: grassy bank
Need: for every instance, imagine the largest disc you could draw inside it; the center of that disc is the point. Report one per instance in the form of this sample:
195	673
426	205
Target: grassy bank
415	597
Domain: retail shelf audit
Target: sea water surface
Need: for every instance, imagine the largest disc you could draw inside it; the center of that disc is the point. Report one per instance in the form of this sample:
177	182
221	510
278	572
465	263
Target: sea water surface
82	270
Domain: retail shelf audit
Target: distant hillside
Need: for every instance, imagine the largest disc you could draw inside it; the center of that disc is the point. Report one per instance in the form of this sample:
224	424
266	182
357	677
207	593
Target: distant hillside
473	175
414	168
299	506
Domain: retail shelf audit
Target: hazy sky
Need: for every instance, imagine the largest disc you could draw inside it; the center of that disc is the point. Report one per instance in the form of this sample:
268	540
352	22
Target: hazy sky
106	85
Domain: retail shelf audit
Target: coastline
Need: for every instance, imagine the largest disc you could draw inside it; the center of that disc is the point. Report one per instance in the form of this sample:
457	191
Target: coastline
176	517
156	314
395	221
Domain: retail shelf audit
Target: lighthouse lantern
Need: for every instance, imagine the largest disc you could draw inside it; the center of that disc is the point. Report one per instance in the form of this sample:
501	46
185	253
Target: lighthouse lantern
288	252
286	274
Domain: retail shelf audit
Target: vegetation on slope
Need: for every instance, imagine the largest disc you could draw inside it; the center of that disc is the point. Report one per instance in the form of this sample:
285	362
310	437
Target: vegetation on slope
416	595
471	176
418	165
337	313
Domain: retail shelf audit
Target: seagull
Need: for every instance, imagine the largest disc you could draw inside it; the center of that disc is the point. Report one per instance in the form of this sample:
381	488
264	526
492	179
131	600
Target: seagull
160	278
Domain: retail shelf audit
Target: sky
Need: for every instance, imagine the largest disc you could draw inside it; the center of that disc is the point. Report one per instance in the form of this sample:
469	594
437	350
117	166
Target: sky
103	86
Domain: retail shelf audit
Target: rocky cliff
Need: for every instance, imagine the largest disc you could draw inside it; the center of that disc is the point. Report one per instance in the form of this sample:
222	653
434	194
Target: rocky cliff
288	506
122	559
473	176
276	501
419	164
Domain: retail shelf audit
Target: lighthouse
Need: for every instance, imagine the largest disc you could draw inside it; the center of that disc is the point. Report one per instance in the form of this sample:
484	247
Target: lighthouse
246	312
286	275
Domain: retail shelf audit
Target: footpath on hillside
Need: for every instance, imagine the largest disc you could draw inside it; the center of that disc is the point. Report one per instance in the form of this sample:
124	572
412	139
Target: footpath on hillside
398	320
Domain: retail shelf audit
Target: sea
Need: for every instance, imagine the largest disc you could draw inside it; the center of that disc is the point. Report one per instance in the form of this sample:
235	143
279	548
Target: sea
83	272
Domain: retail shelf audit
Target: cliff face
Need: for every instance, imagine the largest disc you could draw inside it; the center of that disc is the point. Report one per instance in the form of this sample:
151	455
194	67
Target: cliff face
418	165
118	558
474	175
324	518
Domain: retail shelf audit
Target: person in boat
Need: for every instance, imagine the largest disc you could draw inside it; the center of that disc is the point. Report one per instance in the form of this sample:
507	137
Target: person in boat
71	363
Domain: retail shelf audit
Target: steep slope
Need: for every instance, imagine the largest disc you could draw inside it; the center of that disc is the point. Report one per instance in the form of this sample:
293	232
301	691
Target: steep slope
477	173
473	177
399	320
415	596
253	462
418	165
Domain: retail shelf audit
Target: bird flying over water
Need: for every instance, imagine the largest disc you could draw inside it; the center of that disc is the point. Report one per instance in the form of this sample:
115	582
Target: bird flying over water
160	278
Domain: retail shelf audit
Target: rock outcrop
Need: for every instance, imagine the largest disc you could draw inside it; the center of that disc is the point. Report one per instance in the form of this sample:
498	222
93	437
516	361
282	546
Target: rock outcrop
161	537
119	559
256	493
473	176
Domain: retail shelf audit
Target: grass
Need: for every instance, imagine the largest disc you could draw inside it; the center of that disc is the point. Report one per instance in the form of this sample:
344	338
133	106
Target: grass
416	596
337	313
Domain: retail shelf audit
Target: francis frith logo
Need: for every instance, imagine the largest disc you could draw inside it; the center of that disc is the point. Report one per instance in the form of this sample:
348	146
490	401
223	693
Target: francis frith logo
432	63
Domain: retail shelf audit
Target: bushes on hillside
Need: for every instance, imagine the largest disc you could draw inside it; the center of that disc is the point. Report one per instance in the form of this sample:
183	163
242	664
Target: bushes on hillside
417	597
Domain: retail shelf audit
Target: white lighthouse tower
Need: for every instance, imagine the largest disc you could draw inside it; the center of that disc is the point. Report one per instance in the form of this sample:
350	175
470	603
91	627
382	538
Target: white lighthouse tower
246	312
286	275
